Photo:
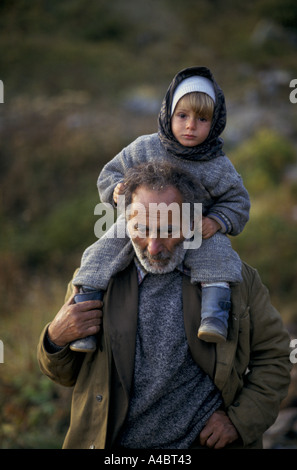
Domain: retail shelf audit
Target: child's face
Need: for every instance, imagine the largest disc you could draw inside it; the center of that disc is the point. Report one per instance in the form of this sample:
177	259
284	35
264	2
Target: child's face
187	127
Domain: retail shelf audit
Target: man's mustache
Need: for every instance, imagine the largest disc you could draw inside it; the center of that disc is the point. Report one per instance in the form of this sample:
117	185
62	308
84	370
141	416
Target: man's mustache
158	257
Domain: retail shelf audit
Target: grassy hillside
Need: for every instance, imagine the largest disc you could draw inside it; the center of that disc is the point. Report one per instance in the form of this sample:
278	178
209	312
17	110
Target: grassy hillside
83	79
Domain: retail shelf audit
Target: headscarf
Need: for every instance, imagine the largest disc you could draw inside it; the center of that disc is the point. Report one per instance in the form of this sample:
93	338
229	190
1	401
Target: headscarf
212	146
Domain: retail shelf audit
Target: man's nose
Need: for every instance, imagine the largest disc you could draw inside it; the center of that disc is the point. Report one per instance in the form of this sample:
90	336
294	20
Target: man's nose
154	246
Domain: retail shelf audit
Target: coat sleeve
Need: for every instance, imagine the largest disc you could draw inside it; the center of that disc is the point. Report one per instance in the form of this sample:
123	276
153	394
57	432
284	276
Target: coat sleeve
111	174
141	150
231	204
266	383
62	366
114	171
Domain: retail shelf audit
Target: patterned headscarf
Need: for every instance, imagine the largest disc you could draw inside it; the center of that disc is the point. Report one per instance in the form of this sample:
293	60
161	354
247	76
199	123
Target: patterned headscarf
212	146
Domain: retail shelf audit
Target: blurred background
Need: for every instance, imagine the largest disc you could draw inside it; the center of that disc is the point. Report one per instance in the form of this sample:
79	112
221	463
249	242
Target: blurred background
81	80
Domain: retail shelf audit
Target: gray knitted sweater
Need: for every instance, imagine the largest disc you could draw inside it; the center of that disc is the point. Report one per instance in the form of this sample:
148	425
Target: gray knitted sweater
172	398
225	199
224	195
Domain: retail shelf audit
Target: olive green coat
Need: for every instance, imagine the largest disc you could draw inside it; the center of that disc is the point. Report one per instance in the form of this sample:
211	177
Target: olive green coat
252	369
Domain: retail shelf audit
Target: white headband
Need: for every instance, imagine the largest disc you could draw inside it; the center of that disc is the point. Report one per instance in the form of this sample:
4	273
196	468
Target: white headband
190	85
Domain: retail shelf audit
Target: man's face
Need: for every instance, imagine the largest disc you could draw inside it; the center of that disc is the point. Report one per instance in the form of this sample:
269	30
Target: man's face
157	234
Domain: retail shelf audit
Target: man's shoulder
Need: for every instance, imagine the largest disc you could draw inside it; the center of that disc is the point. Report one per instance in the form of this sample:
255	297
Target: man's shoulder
250	279
248	272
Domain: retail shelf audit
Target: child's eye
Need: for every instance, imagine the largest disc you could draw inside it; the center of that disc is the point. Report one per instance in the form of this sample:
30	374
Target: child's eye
202	119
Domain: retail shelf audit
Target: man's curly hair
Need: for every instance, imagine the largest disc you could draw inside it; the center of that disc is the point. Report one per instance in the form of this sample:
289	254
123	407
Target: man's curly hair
159	176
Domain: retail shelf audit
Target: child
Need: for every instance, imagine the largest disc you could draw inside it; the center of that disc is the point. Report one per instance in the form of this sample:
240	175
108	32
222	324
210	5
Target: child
191	119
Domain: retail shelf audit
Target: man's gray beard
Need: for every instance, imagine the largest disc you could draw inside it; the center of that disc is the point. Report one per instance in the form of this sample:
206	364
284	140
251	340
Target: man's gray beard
174	259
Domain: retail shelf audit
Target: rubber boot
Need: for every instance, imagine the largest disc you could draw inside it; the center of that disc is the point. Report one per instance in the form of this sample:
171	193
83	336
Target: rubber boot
215	307
89	343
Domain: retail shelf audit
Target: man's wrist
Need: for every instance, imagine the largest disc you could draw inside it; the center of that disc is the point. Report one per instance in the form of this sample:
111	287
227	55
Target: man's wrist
50	346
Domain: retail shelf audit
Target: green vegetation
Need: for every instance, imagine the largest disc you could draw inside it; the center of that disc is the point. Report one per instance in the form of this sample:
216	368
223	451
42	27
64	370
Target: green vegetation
269	240
69	68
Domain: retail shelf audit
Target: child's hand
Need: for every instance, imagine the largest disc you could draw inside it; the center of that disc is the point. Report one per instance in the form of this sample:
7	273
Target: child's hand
119	189
209	227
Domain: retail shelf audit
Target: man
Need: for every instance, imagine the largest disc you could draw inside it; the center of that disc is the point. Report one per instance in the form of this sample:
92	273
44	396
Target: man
152	383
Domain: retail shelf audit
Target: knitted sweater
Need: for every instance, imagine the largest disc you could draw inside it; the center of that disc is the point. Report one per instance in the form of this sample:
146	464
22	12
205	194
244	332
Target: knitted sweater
219	186
172	398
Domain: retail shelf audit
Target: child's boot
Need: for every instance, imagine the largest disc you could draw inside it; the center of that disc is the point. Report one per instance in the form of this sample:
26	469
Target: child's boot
215	306
89	343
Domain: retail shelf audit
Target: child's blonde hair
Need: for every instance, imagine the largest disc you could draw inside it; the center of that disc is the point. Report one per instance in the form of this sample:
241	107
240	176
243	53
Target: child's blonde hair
201	103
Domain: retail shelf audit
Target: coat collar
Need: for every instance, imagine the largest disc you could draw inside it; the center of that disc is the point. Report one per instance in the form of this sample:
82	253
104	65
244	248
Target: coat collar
121	323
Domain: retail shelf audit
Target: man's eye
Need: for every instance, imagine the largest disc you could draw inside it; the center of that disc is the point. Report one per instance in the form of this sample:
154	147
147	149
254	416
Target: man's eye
164	233
170	232
140	228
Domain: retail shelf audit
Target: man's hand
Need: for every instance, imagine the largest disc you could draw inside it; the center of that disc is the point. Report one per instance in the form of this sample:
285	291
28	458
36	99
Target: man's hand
75	321
209	227
218	431
119	189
